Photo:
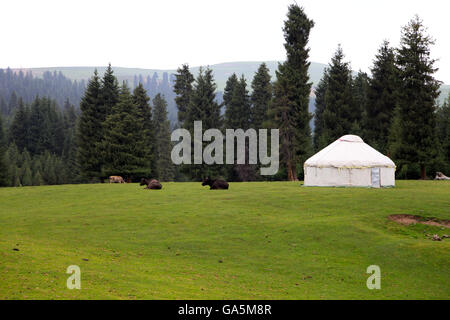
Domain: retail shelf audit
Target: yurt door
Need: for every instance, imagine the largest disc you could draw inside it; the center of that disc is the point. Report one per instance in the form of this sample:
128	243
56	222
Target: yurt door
376	178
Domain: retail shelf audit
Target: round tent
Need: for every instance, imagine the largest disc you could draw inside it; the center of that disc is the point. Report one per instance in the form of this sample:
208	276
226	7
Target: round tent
349	162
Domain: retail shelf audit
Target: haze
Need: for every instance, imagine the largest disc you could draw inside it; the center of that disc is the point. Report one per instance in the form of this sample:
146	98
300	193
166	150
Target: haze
165	34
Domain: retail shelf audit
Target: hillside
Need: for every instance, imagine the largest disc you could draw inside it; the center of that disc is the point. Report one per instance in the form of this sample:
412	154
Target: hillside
221	71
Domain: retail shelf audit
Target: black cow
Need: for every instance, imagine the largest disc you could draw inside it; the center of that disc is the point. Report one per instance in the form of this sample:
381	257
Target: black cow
216	184
151	184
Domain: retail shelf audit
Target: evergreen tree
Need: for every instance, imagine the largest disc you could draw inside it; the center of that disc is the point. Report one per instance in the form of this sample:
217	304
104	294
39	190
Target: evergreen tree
27	179
109	92
203	107
339	113
183	90
90	130
238	115
238	110
381	98
360	87
232	81
37	179
13	103
18	131
261	96
164	167
320	140
144	111
416	141
291	93
123	146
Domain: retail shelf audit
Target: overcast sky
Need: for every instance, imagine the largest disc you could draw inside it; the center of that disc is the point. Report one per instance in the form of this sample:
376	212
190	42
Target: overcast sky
164	34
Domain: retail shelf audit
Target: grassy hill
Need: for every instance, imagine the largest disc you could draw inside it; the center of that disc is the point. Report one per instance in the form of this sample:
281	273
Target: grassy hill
255	241
221	71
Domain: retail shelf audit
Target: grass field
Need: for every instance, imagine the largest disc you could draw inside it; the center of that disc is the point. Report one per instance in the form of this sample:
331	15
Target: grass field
255	241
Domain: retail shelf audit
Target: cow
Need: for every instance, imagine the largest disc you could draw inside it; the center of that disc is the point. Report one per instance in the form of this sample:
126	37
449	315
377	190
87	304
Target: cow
116	179
215	184
151	184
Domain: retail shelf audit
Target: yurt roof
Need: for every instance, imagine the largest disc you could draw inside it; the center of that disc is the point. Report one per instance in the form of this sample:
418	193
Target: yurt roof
349	151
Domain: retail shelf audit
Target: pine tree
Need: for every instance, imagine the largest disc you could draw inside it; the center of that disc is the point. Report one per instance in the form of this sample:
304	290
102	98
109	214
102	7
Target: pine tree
37	179
320	140
165	169
109	92
261	96
360	87
27	179
3	166
232	81
238	114
339	114
291	93
144	111
416	141
123	146
238	110
12	159
183	90
18	132
203	107
381	98
90	129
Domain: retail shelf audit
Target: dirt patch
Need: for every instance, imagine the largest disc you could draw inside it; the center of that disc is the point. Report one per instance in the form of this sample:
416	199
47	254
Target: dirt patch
408	219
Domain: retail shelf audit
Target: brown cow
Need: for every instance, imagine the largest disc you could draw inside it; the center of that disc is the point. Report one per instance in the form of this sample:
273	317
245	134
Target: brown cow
215	184
116	179
151	184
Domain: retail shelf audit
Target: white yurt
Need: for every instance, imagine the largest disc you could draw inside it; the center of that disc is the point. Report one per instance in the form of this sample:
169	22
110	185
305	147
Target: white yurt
349	162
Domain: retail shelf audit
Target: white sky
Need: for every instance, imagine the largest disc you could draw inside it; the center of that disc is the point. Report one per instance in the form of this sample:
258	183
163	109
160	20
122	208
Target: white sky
163	34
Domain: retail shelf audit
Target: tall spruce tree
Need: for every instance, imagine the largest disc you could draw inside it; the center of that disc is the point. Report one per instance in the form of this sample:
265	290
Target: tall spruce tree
339	113
144	110
203	107
238	110
320	140
183	90
165	169
381	98
360	87
18	131
291	93
90	129
123	146
228	90
109	92
238	115
415	142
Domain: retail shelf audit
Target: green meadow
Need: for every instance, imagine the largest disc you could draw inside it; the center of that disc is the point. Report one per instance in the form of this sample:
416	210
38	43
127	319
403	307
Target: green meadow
267	240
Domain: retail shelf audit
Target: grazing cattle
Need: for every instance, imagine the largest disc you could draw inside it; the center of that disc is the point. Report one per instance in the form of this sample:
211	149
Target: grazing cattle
215	184
151	184
116	179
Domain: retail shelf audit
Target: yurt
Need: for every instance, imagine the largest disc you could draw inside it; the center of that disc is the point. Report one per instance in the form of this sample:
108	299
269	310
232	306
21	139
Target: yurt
349	162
